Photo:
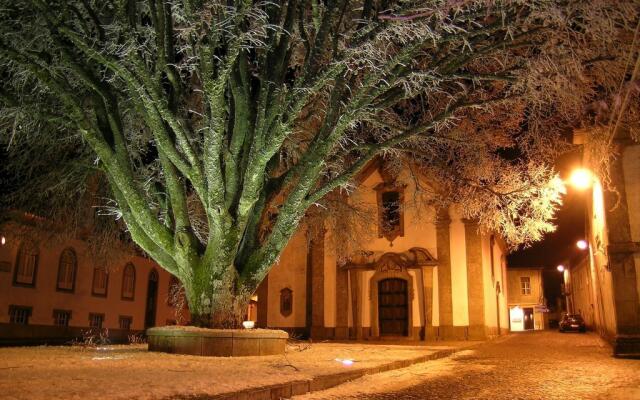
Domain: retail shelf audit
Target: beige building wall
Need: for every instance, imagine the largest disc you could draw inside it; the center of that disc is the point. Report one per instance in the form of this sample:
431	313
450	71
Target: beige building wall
495	285
43	298
581	291
516	297
290	272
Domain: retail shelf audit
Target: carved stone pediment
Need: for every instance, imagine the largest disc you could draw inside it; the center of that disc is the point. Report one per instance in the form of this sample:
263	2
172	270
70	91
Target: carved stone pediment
415	257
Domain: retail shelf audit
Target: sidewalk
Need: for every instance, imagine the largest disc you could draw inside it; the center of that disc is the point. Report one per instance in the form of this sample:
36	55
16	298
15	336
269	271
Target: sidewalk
126	372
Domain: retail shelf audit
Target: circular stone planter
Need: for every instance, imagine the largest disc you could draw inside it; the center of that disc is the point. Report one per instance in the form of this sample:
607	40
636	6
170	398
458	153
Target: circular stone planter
217	342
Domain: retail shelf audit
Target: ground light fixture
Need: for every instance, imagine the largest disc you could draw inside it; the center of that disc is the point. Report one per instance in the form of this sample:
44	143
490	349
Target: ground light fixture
560	268
581	179
582	244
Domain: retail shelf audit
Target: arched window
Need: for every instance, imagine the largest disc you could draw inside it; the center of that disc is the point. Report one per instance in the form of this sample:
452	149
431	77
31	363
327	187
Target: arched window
67	270
100	282
26	264
128	281
286	302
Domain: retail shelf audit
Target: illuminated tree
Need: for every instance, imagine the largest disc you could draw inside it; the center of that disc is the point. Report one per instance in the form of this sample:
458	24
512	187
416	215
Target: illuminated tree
218	124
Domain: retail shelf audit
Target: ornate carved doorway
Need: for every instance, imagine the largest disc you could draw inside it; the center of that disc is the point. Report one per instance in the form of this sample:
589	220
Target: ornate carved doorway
393	307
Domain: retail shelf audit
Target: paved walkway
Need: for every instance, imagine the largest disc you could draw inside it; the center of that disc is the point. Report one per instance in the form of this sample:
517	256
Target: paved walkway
132	372
540	365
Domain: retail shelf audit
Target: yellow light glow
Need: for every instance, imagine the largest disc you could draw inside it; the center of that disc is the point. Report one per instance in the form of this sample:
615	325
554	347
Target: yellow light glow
581	179
582	244
560	268
3	240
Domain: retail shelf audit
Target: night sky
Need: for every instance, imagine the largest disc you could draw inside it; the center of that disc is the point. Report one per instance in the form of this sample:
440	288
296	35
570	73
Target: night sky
560	246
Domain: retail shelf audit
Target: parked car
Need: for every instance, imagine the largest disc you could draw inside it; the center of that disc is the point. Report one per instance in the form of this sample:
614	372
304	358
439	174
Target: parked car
572	322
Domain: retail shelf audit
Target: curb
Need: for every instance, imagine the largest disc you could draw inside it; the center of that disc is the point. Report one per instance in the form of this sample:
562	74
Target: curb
323	382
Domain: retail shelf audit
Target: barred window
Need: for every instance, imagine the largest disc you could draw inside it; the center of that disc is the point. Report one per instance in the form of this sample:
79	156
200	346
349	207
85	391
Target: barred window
100	282
124	322
96	320
26	264
19	315
61	317
67	270
128	282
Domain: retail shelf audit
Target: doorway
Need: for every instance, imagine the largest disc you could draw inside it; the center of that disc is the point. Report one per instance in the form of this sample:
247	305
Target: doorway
152	300
393	307
528	318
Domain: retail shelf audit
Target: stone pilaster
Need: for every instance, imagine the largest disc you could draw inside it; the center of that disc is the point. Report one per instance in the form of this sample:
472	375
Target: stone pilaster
316	287
342	303
443	243
475	280
356	316
427	290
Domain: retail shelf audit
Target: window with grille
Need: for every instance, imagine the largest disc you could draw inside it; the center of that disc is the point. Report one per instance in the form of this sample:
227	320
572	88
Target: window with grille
61	317
19	315
128	281
525	285
96	320
100	281
67	270
125	322
26	264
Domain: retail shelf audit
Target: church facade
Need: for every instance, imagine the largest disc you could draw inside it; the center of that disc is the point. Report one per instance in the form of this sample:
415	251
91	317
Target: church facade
404	271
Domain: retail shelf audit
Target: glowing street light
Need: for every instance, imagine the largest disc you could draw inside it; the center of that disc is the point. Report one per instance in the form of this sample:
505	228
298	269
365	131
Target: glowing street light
582	244
560	268
3	240
581	179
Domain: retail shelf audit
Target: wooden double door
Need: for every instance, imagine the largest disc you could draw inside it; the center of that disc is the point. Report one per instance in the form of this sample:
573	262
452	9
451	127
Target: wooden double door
393	307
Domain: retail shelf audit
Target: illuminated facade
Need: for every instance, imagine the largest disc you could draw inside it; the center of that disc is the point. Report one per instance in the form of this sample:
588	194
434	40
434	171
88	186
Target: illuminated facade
606	289
52	292
527	305
407	271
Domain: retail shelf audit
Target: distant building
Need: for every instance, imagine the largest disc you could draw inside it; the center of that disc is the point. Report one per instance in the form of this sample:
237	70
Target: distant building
527	306
53	292
610	280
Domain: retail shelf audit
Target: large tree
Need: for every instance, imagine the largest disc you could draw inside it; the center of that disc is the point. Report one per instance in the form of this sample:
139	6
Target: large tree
219	123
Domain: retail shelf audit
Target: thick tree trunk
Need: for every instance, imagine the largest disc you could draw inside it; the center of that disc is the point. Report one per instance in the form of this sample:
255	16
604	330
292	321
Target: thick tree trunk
217	301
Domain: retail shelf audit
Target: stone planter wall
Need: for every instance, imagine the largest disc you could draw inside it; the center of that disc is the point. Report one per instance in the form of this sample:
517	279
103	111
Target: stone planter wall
217	342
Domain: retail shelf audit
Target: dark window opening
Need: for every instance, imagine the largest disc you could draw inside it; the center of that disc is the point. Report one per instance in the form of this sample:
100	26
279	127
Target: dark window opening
390	211
67	270
61	317
100	282
26	264
19	315
125	322
96	320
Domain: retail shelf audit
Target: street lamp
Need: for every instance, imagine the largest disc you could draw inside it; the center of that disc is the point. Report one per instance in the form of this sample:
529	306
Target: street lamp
3	240
582	244
560	268
581	179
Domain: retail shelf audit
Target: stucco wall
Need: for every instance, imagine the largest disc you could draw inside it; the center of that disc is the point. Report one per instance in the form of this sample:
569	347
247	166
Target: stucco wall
290	272
44	298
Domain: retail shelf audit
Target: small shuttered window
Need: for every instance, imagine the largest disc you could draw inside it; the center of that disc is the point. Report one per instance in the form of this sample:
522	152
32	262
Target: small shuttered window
100	282
67	270
26	264
128	281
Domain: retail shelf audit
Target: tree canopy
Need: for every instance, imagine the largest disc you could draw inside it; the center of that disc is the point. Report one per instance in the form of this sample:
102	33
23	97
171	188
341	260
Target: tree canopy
211	127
